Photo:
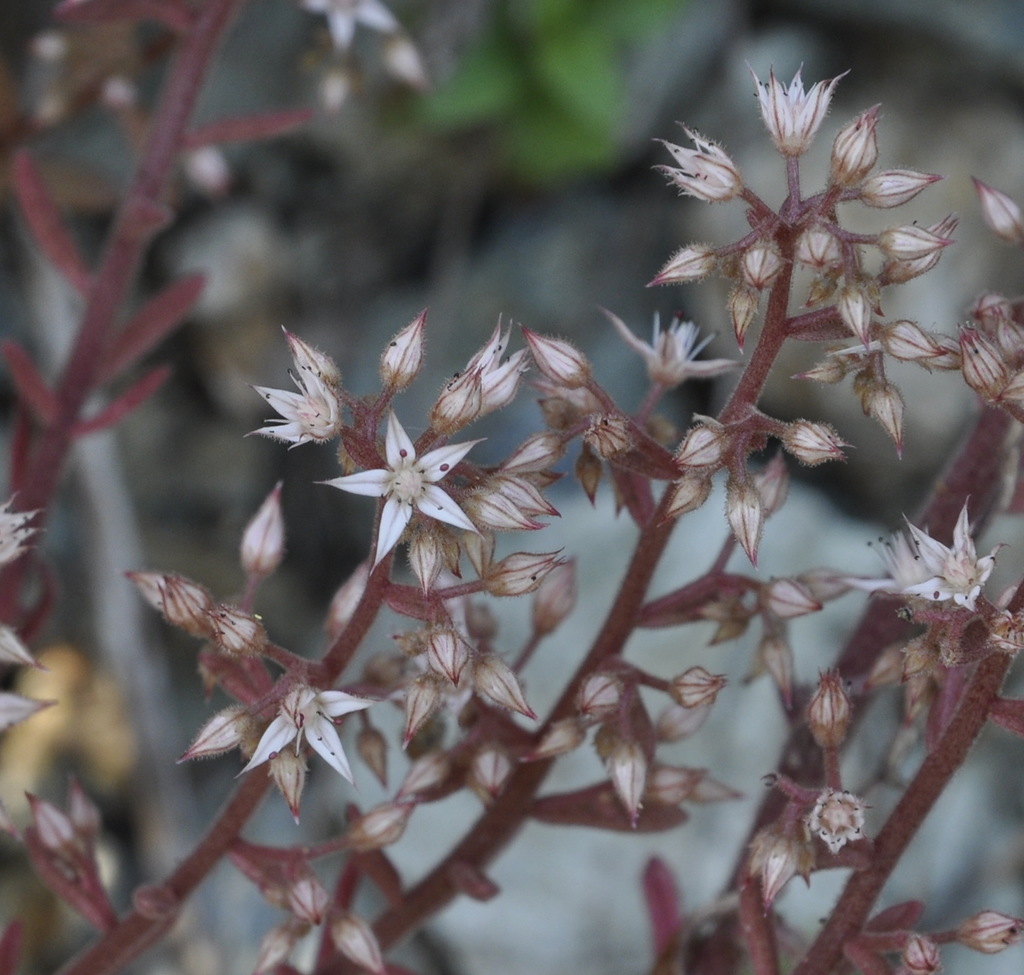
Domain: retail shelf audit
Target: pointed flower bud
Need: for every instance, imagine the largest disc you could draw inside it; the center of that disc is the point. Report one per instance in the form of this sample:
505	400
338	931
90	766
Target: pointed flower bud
818	248
494	679
608	435
690	263
380	827
696	687
907	341
427	772
14	708
355	939
837	818
669	786
458	404
775	858
743	301
885	404
772	483
704	445
488	772
561	738
705	172
346	599
277	944
760	264
538	453
560	361
263	538
829	712
447	653
235	631
599	695
745	514
894	187
520	573
856	309
421	700
910	242
689	492
55	829
403	357
224	731
372	748
627	771
555	599
788	598
983	366
1001	214
307	899
813	443
12	650
676	722
183	603
990	932
920	956
792	115
855	150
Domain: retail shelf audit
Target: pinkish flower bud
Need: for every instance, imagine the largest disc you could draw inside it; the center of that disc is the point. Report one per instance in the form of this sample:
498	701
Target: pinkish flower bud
184	603
380	827
561	738
772	483
555	598
372	748
920	956
426	556
829	712
910	242
288	770
676	722
855	150
885	404
894	187
776	858
14	708
813	443
488	772
760	264
743	302
706	172
599	695
307	899
447	653
990	932
263	538
792	115
690	263
818	248
837	818
402	359
788	598
982	364
907	341
689	492
708	789
277	944
489	508
494	679
670	786
696	687
1001	213
745	514
500	384
458	404
13	651
346	599
608	435
856	309
558	360
224	731
355	939
520	573
427	772
704	445
422	697
235	631
537	453
55	830
627	771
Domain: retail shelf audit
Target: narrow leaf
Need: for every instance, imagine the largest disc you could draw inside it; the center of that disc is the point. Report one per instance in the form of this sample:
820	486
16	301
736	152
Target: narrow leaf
10	948
598	806
174	14
266	125
132	397
899	917
47	225
1008	714
31	387
662	897
151	324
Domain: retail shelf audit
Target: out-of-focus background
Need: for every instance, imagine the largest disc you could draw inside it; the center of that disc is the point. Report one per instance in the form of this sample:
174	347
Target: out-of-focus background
513	180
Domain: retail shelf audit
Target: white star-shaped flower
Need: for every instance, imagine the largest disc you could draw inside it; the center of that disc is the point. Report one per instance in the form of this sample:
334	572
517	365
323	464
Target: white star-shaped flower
408	482
343	15
306	712
920	566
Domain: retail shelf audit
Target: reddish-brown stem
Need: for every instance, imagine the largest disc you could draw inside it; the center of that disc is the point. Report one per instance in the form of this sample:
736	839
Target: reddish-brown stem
756	925
134	225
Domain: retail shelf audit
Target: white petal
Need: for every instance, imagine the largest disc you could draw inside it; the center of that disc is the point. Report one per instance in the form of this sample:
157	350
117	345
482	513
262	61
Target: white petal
279	732
439	505
393	520
373	484
398	448
374	14
932	552
323	736
437	463
336	703
962	541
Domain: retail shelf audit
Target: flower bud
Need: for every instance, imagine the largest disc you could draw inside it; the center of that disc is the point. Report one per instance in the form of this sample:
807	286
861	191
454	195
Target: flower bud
911	242
55	830
402	359
276	945
982	364
920	956
346	599
599	695
990	932
676	722
788	598
537	453
490	508
689	492
558	360
561	738
829	712
427	772
422	696
184	603
670	786
690	263
355	939
856	309
608	435
743	302
760	264
792	115
706	172
855	150
627	770
263	538
745	514
818	248
313	362
776	857
447	653
907	341
1001	213
837	818
555	599
894	187
488	772
704	445
458	404
372	747
402	61
380	827
696	687
307	899
494	679
288	770
520	573
235	631
13	651
224	731
813	443
885	404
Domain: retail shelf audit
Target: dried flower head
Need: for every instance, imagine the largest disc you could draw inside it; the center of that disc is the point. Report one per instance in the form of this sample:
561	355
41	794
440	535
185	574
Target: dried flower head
837	818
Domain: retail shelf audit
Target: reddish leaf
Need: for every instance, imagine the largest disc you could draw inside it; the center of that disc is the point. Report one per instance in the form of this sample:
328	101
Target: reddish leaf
47	225
10	948
899	917
174	14
31	387
662	897
132	397
472	881
598	806
266	125
408	601
1008	714
152	323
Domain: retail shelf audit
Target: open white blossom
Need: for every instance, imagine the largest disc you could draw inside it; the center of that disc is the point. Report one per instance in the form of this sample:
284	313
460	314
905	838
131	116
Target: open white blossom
920	566
343	15
408	482
671	356
308	713
14	532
